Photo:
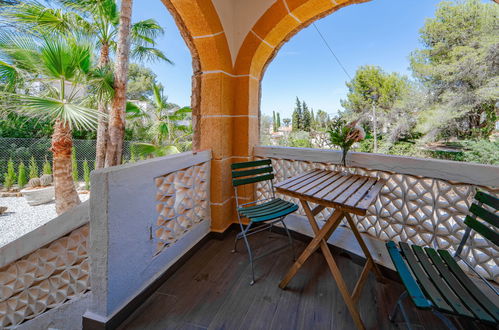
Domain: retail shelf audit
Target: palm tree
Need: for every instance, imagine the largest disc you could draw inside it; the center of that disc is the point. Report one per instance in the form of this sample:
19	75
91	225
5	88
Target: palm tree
165	126
97	18
61	70
116	118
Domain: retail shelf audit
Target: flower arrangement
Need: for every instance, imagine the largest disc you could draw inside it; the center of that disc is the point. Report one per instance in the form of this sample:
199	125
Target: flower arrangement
345	135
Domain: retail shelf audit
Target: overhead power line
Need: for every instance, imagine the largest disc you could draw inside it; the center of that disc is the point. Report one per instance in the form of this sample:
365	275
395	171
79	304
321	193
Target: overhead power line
334	55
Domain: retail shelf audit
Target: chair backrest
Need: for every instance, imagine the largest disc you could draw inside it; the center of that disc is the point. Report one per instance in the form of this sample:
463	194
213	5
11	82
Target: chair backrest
251	172
480	215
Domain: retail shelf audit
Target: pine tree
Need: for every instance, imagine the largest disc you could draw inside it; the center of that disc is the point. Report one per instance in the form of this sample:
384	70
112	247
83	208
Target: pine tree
33	168
313	123
306	120
47	168
86	174
21	176
74	164
278	120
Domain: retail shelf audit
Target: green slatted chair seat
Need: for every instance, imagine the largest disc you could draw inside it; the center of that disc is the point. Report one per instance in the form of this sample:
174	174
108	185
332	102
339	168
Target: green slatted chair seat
434	280
273	209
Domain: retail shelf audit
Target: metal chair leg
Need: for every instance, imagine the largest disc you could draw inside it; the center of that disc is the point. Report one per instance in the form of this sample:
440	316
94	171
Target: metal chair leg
290	239
445	320
250	254
400	306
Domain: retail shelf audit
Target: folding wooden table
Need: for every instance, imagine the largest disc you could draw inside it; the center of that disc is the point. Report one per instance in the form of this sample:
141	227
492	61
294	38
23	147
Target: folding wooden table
346	193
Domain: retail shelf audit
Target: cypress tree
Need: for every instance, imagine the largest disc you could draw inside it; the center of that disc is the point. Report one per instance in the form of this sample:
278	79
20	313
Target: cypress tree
306	120
10	176
297	116
21	176
274	122
33	168
278	120
47	168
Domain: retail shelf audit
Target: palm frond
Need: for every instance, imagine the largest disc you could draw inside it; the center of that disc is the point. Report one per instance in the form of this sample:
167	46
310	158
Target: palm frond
145	32
148	54
149	149
101	82
76	115
45	20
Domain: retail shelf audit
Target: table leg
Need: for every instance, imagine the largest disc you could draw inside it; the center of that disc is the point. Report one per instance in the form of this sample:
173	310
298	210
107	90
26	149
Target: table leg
350	301
362	244
333	221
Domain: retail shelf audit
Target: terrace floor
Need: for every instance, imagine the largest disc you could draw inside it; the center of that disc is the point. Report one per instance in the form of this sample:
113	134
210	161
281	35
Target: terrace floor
211	291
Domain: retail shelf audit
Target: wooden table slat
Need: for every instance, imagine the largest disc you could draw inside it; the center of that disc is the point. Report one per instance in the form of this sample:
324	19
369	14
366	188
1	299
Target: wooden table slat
290	182
295	187
352	189
330	188
315	183
324	184
293	178
355	198
371	195
336	192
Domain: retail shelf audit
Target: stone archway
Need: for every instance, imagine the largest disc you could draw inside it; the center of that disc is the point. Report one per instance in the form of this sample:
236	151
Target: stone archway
230	56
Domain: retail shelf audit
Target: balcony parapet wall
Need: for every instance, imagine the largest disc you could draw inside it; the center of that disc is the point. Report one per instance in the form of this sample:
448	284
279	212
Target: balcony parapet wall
144	217
424	201
45	269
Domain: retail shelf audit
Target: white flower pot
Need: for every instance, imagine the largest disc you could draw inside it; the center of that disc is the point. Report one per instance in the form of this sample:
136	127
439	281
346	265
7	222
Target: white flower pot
39	195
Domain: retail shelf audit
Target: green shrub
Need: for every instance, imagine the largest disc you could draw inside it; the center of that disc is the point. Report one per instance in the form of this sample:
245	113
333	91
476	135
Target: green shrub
86	174
33	168
10	176
482	151
21	176
47	168
74	165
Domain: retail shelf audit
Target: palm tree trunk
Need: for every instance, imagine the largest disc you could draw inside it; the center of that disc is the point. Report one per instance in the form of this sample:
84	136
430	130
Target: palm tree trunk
100	152
66	196
117	115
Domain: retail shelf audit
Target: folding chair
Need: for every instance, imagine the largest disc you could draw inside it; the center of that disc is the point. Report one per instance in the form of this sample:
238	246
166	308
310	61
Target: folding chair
434	281
262	214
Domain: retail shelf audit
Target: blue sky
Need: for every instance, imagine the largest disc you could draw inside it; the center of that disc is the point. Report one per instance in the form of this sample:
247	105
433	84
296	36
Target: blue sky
380	32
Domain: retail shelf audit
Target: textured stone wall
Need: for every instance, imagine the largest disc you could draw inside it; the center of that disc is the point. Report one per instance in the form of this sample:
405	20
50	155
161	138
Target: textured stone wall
182	200
415	209
44	279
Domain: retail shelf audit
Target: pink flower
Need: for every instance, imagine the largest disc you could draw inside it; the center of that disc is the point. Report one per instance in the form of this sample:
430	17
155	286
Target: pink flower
356	132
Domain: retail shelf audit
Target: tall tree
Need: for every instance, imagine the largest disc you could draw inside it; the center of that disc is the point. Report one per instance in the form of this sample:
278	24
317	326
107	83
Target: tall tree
62	65
274	122
278	120
306	118
166	126
99	19
458	64
297	116
117	115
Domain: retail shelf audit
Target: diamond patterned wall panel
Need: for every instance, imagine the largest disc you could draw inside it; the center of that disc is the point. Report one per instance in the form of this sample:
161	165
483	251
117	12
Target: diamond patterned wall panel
44	279
182	200
419	210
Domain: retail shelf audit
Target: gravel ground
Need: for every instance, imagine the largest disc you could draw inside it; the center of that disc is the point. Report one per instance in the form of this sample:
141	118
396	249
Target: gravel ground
20	218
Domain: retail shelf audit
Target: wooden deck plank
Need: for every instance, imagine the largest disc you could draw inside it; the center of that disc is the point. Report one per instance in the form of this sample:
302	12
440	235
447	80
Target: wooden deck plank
198	294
